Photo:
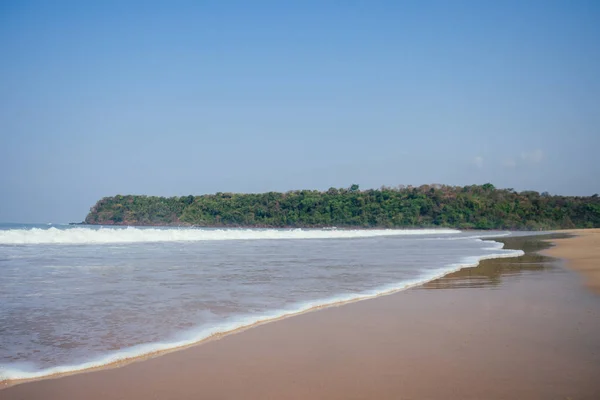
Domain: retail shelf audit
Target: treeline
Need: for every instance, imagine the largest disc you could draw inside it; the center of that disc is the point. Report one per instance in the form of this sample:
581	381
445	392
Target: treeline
469	207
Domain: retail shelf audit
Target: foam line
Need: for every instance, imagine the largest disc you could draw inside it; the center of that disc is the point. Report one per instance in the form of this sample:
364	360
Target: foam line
141	235
478	236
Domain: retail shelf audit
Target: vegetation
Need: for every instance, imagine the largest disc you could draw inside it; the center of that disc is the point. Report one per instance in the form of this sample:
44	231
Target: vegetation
469	207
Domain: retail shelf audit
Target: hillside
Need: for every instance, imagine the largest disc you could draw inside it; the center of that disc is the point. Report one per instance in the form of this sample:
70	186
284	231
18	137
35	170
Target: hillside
469	207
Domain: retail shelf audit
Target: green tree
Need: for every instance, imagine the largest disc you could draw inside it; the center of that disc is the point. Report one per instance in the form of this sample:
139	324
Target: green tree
482	207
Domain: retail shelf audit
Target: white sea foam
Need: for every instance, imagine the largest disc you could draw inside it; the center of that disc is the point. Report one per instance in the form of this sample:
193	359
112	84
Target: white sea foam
81	235
22	371
476	236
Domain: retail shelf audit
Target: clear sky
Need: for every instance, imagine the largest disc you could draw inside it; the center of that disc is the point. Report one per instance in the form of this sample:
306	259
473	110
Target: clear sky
192	97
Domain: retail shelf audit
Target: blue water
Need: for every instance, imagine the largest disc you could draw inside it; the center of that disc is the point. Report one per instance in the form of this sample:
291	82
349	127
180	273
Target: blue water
74	297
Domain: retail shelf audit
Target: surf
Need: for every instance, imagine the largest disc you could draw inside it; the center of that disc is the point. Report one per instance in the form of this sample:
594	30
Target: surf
28	371
105	235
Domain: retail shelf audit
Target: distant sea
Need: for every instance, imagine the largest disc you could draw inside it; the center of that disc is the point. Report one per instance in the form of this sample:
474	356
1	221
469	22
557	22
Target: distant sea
76	297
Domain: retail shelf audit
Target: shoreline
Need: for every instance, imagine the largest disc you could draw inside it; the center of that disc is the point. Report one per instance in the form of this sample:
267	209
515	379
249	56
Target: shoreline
519	327
99	365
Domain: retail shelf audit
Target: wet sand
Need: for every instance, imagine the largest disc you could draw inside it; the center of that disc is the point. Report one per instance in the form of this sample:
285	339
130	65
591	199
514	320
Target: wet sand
582	253
520	328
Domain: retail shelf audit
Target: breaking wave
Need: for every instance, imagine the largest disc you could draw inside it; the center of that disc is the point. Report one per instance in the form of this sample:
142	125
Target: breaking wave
104	235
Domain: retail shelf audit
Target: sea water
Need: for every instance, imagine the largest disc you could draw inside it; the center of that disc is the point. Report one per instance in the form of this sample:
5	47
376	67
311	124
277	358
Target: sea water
76	297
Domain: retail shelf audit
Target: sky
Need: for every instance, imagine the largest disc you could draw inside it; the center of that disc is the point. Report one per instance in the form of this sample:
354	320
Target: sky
192	97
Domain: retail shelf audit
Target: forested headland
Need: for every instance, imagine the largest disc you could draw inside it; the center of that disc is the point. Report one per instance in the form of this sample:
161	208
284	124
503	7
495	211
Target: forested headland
468	207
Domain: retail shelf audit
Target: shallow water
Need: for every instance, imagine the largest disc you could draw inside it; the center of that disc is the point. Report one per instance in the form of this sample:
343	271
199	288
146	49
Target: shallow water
77	297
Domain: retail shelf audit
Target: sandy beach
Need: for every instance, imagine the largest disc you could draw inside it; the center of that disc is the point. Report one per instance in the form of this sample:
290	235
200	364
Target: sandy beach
519	328
582	253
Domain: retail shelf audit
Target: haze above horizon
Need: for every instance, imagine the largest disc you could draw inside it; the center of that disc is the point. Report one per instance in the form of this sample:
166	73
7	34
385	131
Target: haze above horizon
179	98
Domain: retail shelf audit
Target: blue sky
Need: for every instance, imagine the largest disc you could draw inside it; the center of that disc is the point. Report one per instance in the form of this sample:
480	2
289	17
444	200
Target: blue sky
176	98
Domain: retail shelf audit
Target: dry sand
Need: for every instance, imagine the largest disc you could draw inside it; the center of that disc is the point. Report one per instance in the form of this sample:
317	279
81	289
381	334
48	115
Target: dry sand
582	253
511	329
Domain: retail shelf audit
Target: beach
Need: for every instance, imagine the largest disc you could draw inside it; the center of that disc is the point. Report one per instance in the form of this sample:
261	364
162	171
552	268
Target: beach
511	328
582	253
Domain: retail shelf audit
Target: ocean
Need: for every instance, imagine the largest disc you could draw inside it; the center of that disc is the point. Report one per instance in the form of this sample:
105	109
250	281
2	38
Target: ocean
78	297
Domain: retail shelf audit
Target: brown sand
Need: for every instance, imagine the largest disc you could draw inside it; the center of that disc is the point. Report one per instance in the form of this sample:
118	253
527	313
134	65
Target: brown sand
582	253
510	329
